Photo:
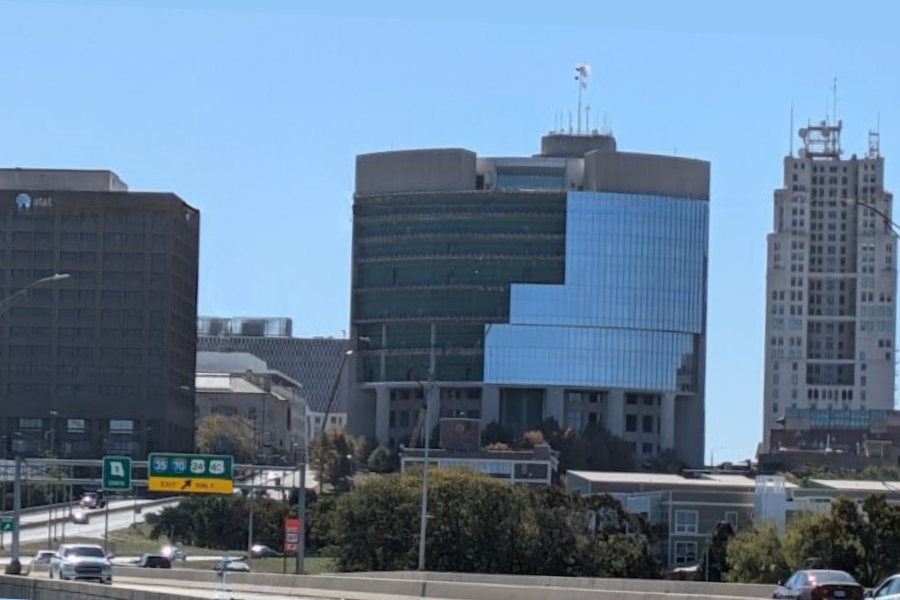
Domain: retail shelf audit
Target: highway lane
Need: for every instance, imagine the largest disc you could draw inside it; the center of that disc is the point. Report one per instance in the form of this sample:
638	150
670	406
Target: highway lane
94	529
44	515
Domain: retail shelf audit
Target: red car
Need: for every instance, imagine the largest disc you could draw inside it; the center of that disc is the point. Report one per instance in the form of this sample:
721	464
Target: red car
820	584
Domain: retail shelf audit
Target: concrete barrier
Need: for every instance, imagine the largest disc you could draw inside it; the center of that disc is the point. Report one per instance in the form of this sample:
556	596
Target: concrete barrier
43	589
500	588
743	590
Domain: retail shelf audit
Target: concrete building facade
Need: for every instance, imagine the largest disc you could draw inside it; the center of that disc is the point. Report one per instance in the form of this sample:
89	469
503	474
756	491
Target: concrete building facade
268	401
831	283
101	362
318	364
570	285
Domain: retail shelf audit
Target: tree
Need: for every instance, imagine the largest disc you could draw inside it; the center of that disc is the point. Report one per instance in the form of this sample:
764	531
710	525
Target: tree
593	449
220	434
494	433
860	539
331	456
755	555
667	461
375	526
483	525
714	564
221	522
380	459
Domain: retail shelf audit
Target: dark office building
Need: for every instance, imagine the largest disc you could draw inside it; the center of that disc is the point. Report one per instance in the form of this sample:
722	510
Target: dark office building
568	285
102	361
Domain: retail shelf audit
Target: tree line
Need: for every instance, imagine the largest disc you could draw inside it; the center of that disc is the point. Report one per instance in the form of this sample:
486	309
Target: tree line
476	524
861	539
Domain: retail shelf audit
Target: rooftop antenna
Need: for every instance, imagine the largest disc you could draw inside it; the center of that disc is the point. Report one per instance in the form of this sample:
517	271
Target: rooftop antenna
587	118
834	100
582	72
792	130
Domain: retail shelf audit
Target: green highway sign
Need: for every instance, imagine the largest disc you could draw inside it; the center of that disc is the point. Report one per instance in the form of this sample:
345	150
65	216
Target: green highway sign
7	524
116	474
190	473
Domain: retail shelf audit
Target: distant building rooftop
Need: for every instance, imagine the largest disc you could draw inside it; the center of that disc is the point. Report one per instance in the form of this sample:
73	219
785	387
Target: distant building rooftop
661	479
75	180
849	485
224	383
229	362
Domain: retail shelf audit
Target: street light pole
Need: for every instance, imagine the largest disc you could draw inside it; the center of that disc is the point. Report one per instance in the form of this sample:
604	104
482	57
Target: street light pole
7	302
423	526
331	398
15	566
301	510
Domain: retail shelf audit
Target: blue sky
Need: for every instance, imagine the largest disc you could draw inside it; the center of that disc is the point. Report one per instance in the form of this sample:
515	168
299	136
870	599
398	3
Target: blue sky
255	115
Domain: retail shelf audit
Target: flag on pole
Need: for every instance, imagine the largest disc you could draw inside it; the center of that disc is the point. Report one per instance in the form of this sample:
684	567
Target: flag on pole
582	72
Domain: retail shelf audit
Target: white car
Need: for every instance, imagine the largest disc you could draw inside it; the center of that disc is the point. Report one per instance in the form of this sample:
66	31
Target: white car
81	562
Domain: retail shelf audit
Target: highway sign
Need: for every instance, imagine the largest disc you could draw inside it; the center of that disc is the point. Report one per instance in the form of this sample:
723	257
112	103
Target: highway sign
190	473
7	524
116	474
292	531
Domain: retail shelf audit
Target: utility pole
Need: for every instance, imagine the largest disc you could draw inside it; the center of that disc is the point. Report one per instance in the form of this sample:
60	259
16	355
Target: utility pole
301	509
5	476
250	528
423	527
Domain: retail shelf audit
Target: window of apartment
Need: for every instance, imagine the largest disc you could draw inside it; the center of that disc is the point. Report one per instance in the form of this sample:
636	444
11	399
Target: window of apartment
731	517
631	423
31	424
647	424
647	448
685	553
574	420
121	425
75	425
686	521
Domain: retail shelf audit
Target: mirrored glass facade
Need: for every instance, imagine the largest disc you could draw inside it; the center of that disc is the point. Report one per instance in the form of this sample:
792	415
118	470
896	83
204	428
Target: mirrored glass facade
631	313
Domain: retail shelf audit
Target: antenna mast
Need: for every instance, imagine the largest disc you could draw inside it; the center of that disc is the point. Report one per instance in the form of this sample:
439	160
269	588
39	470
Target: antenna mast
582	72
792	130
834	100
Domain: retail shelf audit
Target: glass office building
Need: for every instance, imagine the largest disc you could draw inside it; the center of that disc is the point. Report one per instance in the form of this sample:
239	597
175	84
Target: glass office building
569	285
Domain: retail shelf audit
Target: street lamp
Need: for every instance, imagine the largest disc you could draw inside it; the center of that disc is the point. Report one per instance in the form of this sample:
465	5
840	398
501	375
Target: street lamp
18	446
334	387
8	302
331	398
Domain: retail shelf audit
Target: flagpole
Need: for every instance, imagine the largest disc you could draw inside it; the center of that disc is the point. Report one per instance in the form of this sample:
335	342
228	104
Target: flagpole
578	78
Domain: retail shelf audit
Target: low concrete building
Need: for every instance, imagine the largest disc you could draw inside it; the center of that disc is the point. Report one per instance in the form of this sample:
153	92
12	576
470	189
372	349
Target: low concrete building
271	403
460	441
682	510
528	467
836	438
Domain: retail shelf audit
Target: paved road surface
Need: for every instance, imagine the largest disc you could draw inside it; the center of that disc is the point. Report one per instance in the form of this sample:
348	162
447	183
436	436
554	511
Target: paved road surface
93	529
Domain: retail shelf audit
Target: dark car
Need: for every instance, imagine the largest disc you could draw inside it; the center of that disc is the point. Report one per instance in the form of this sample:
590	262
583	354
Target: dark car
260	551
820	584
93	500
154	561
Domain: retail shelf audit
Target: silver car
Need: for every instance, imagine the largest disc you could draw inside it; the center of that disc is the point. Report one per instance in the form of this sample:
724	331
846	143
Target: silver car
81	562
